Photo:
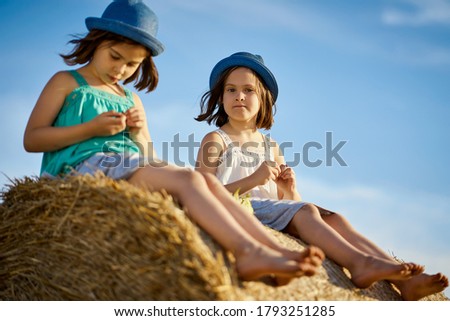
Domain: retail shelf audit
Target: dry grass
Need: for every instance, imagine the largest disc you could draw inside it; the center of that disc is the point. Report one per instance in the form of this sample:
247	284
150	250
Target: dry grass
86	238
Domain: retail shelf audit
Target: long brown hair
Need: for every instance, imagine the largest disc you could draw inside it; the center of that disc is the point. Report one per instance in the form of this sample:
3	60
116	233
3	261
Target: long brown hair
212	109
145	77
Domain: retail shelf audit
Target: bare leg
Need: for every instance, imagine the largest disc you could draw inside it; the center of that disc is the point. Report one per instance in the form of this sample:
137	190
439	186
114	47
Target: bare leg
309	259
344	228
415	288
253	259
254	227
365	269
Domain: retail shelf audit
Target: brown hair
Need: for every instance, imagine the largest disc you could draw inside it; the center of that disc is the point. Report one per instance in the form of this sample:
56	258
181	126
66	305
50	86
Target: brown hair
145	77
212	109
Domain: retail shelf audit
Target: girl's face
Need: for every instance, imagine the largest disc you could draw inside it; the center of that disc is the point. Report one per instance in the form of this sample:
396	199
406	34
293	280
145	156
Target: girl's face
240	97
117	62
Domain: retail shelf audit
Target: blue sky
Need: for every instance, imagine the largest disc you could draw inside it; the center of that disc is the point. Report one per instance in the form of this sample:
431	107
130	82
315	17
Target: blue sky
374	74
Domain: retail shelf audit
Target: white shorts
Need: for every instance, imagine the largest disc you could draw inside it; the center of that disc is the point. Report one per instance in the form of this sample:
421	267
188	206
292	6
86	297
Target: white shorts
113	165
275	214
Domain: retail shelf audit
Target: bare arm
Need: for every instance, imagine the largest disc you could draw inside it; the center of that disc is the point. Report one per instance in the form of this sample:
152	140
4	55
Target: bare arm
41	136
211	149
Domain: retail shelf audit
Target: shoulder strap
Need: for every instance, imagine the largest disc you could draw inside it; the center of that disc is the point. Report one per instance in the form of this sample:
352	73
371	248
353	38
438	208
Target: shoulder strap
129	94
225	137
267	144
80	80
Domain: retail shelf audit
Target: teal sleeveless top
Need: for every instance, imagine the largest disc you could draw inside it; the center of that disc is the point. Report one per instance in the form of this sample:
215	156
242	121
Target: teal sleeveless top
81	105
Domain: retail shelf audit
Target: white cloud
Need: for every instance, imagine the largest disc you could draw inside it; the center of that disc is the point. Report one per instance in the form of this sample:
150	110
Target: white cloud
349	36
268	14
391	208
423	54
422	13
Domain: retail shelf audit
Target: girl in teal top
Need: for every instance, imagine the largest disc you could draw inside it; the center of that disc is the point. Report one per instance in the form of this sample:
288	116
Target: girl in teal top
72	113
85	121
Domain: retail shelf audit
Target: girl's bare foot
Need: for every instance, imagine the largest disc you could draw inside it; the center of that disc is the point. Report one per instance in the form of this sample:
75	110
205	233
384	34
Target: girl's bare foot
306	269
376	269
299	256
309	260
252	264
422	285
415	269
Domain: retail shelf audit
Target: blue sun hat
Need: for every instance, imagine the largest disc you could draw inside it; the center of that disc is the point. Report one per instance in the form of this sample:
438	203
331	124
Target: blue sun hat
131	19
251	61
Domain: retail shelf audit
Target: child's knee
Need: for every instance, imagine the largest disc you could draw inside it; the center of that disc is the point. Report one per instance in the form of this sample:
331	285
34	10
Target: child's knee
309	209
213	183
330	216
190	178
210	178
336	218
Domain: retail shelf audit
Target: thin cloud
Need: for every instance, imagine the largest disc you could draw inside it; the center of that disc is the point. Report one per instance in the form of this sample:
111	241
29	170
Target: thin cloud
407	224
265	14
307	22
419	13
391	211
422	55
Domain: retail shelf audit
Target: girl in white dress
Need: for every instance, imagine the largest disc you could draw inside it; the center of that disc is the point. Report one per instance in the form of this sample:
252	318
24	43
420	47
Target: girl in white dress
240	101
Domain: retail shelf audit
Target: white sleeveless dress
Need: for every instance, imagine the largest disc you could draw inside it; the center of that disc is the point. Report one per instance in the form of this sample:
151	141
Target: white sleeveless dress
236	163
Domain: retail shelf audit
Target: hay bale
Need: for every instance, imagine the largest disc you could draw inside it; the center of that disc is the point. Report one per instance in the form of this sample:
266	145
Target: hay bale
86	238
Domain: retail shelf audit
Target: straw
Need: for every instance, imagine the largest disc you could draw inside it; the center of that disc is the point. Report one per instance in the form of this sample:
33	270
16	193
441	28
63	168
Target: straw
92	238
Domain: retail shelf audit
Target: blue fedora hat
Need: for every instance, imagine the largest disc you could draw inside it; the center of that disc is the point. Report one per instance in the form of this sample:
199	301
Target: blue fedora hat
251	61
131	19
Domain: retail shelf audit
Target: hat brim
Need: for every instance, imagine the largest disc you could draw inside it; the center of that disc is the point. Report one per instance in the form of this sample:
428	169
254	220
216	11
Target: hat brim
253	64
120	28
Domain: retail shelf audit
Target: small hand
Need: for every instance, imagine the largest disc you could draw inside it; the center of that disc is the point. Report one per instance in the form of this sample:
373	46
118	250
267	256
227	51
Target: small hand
268	170
109	123
135	119
286	179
